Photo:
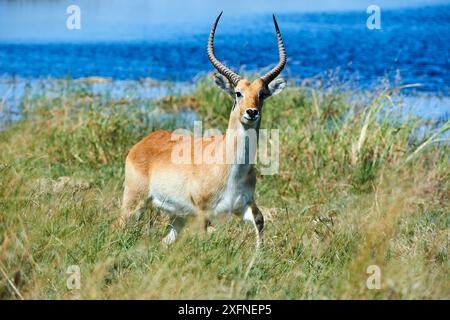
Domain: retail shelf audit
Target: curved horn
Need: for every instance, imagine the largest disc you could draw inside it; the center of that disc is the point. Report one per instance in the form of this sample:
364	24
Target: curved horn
229	74
272	74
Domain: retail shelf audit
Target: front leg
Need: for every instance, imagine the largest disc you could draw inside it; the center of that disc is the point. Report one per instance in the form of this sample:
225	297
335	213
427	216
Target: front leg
253	214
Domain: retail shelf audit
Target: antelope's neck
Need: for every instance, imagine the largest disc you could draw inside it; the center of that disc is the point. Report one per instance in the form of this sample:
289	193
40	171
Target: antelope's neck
241	146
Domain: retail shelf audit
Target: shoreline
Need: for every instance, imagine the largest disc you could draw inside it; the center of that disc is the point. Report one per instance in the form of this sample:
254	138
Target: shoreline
428	106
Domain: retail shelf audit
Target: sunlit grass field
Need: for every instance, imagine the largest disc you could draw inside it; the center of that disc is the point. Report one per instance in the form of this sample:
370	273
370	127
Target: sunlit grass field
359	184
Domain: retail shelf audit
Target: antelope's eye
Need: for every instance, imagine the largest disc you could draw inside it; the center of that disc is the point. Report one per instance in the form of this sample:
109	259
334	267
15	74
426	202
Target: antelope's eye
238	94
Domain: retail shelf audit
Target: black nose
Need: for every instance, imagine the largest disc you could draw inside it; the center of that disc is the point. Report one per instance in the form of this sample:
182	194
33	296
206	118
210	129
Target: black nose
252	113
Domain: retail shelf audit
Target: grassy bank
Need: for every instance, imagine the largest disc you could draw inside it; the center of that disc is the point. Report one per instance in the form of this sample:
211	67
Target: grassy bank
357	187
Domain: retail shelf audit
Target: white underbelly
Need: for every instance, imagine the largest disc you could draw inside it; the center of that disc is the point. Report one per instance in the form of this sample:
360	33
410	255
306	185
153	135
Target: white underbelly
173	198
176	206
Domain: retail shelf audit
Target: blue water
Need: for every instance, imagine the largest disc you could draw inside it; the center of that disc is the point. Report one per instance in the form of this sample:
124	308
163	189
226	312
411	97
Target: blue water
413	45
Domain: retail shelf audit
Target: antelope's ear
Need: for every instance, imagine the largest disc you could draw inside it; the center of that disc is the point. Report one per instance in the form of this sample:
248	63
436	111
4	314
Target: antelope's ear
223	84
276	86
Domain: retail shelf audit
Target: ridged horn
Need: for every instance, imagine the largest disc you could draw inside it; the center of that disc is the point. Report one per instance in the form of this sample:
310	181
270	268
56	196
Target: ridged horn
272	74
229	74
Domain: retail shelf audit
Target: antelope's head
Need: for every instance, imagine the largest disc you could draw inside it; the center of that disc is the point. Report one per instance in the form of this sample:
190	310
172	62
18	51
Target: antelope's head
248	96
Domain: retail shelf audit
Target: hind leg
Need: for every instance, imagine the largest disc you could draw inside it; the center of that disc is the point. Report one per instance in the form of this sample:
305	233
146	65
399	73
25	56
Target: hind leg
134	194
132	203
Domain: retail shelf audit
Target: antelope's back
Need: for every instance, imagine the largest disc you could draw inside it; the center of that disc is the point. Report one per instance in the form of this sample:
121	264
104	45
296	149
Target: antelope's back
154	148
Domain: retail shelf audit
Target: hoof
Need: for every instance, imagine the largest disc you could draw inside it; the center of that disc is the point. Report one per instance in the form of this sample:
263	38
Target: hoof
119	223
170	238
210	229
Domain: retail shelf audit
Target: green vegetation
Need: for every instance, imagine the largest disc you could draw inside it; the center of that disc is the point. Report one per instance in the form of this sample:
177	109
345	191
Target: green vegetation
356	187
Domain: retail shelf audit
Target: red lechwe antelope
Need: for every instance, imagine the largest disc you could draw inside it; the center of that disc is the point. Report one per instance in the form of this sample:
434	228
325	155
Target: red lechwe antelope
204	189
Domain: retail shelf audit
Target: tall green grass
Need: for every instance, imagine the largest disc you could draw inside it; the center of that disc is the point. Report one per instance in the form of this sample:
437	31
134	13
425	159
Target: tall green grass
356	187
